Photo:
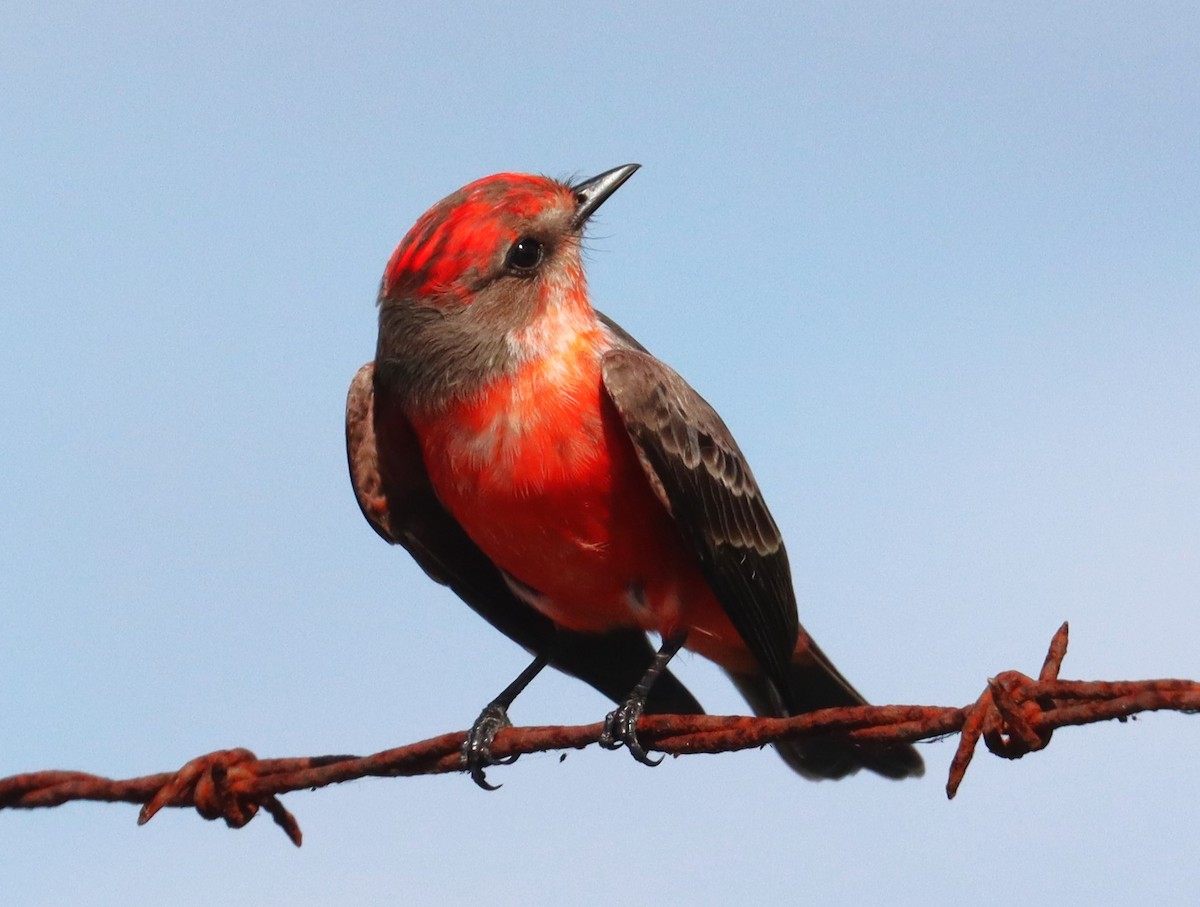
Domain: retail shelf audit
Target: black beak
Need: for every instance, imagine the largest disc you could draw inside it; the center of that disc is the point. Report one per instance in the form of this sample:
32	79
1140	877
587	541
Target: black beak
590	194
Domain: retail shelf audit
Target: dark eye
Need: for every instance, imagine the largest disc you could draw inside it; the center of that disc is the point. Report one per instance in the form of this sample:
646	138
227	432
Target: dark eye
525	255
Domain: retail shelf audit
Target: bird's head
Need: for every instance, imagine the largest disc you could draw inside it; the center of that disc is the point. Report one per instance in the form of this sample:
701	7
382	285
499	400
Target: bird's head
478	267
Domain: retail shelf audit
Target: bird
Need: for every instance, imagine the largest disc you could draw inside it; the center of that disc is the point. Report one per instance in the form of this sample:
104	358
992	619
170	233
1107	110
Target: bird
571	488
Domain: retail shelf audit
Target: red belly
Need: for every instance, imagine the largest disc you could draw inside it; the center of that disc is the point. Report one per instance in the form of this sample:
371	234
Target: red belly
558	500
556	497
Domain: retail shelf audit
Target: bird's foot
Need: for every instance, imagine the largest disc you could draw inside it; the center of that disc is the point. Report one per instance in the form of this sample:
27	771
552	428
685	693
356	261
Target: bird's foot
477	748
620	727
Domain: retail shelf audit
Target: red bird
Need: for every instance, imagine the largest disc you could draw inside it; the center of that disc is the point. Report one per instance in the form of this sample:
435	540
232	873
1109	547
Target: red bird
570	487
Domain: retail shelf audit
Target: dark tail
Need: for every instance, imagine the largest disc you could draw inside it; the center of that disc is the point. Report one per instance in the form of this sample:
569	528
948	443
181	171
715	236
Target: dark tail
814	683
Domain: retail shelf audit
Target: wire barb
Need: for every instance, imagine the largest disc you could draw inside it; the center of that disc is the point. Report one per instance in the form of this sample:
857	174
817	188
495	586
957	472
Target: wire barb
1015	715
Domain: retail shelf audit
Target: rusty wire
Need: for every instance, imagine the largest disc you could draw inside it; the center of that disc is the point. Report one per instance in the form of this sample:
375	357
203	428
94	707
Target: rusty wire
1014	715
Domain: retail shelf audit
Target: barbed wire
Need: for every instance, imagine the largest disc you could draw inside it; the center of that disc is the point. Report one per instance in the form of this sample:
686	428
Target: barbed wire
1015	715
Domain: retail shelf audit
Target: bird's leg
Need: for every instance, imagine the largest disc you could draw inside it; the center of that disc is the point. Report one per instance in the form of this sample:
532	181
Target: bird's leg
620	725
477	748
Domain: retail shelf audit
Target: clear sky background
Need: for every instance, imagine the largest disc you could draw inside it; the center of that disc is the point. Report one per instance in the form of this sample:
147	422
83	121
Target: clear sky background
938	265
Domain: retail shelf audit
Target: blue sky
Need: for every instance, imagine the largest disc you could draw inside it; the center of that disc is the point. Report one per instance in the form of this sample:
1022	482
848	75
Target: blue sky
936	264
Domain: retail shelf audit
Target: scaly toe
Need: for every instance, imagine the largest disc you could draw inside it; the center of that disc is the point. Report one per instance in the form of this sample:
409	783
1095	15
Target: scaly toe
620	729
477	748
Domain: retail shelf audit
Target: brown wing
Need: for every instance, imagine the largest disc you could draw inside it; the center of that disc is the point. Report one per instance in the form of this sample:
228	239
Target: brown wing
396	497
702	478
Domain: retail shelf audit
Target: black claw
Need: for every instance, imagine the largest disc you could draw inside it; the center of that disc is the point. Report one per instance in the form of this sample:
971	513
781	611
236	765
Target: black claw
609	738
477	748
620	728
620	725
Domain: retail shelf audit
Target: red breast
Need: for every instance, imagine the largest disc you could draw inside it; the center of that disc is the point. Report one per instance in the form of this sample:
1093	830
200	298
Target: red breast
540	472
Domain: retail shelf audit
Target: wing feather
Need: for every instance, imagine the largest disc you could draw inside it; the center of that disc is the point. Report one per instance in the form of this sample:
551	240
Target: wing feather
703	479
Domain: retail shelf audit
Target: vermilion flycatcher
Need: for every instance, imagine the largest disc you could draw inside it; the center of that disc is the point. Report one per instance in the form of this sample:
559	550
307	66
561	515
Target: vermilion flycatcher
570	487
